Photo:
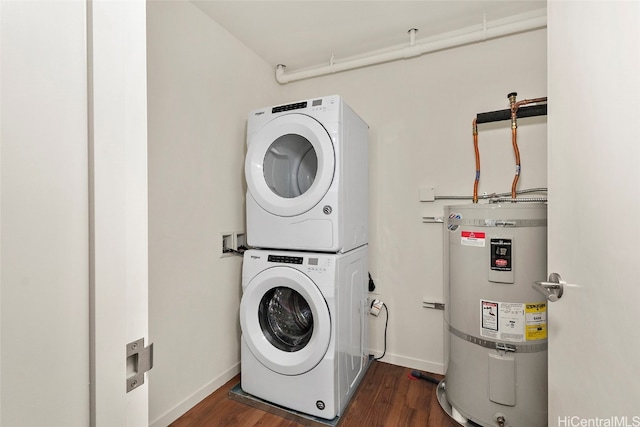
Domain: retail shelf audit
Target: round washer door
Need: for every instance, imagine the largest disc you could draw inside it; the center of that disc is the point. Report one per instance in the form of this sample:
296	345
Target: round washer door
290	164
285	321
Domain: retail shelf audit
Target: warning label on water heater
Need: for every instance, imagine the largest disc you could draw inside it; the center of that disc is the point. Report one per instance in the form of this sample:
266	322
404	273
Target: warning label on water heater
513	322
472	238
502	321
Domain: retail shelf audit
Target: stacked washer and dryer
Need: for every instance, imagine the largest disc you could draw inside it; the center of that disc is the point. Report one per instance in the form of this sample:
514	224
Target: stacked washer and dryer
303	309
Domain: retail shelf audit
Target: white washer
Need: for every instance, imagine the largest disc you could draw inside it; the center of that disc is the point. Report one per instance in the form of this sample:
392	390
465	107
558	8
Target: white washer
304	329
307	177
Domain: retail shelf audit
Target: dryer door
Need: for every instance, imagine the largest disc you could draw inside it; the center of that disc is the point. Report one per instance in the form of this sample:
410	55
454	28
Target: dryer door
285	320
290	164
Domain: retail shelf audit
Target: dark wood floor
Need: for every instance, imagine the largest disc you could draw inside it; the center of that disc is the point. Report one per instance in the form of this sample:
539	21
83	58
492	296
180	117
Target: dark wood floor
386	397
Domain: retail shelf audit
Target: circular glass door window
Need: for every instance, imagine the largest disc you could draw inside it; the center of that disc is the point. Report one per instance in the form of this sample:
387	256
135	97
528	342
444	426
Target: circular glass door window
286	319
290	166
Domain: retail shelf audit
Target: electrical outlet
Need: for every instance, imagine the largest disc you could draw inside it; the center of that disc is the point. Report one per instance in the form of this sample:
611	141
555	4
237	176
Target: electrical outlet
427	193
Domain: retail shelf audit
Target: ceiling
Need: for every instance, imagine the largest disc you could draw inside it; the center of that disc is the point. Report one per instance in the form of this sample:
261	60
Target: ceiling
302	33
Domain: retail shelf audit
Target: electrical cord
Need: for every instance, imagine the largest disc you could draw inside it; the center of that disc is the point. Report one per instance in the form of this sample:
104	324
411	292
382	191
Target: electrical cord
415	374
386	324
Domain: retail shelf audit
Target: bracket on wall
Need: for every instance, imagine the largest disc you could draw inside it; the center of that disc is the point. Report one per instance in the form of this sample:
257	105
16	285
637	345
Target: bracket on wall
433	219
500	115
433	305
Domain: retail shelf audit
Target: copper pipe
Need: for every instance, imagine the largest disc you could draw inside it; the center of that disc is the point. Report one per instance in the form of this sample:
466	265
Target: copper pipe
530	101
514	140
514	133
475	147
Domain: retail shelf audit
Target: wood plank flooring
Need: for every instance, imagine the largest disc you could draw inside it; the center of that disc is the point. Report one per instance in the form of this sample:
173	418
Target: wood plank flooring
386	398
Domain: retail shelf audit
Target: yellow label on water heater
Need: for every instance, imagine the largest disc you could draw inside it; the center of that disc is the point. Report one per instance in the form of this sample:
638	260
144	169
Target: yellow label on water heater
536	321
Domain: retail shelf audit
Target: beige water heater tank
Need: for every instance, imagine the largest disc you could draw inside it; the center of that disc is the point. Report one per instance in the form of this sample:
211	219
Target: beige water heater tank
496	322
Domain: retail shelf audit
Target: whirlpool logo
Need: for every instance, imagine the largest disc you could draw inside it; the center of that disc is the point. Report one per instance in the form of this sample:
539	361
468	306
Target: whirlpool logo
255	257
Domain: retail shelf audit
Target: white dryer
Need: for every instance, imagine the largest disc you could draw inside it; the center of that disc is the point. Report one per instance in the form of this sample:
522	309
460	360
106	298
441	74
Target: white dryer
304	329
307	177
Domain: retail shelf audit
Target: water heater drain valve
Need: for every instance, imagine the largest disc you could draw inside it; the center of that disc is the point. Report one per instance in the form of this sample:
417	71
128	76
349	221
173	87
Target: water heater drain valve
376	306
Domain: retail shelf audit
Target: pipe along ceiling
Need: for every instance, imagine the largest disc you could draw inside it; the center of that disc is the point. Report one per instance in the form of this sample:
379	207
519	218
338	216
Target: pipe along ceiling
487	31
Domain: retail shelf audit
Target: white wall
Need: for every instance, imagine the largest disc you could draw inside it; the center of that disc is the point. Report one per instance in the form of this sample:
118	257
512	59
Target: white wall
201	85
420	112
44	306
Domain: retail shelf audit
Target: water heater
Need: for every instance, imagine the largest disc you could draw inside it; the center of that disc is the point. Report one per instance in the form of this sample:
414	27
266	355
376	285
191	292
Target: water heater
496	372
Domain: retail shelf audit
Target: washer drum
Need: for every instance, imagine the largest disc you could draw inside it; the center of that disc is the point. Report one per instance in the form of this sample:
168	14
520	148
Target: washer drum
496	322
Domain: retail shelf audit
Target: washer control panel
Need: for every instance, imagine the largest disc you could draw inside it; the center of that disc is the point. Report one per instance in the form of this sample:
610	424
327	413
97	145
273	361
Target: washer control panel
312	263
284	259
319	265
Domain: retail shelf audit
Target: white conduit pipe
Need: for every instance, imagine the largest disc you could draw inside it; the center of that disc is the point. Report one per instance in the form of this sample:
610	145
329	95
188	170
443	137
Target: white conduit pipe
488	32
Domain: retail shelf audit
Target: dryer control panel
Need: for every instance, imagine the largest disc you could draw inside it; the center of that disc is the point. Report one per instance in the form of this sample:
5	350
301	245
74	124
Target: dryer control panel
318	104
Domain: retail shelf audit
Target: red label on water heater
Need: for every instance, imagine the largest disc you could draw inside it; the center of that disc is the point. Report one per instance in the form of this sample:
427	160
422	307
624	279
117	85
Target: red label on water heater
472	238
474	234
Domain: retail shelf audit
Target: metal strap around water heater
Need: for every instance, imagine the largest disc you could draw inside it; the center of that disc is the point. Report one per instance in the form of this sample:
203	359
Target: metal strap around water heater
507	223
494	345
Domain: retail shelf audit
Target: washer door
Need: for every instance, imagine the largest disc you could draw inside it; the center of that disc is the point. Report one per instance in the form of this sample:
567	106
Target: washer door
285	321
290	164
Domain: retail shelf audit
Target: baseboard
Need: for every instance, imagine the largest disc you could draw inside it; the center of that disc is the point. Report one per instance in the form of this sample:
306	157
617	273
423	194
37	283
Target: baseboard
195	398
408	362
